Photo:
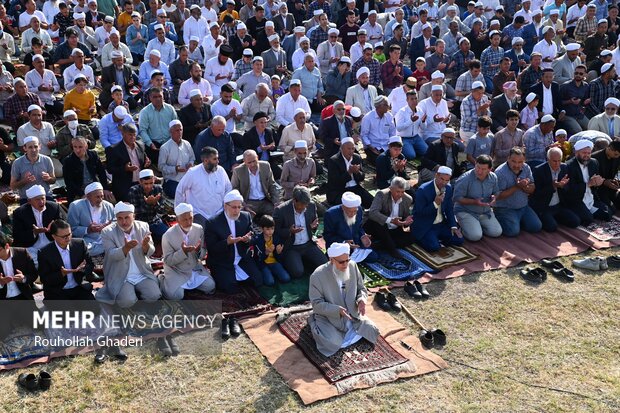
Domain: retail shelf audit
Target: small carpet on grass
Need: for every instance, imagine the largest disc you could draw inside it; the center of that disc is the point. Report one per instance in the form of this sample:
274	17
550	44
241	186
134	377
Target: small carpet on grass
444	258
603	231
399	269
246	302
284	295
371	278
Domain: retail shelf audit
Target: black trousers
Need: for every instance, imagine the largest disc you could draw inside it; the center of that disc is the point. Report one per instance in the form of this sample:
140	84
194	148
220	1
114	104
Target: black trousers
296	256
153	154
391	239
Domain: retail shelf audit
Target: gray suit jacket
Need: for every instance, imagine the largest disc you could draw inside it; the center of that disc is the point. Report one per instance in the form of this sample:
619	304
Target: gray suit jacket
355	97
322	53
327	326
381	206
116	264
563	69
601	124
241	181
270	61
79	218
178	265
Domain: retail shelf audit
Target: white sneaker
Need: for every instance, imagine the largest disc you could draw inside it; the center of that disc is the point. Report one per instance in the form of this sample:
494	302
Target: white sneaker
602	263
592	264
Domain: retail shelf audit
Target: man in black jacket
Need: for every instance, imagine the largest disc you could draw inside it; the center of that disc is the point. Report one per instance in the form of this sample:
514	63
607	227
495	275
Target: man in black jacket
344	173
332	128
442	152
261	139
609	163
195	116
551	178
545	106
74	173
109	78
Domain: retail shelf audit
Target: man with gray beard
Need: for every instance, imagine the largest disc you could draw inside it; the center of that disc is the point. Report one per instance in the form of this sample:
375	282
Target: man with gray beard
338	299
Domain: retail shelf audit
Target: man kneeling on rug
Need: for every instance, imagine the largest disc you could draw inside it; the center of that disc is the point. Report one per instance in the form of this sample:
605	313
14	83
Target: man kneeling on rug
338	299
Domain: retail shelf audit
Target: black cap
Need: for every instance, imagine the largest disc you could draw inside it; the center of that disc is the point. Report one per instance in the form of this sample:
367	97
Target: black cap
258	116
226	50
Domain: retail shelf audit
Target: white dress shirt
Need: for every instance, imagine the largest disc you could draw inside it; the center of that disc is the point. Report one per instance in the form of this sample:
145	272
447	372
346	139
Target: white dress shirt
204	191
193	27
208	45
172	155
65	254
547	50
240	275
286	106
133	274
393	213
219	108
547	100
430	128
45	135
187	87
72	71
102	36
397	99
256	189
588	197
405	127
213	68
300	55
12	288
375	131
300	221
34	79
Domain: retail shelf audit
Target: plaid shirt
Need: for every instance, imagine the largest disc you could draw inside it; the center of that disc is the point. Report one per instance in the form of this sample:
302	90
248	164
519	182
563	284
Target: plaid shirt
375	71
315	6
388	78
151	214
490	57
16	105
528	78
583	27
241	68
465	81
410	11
459	62
469	112
599	93
318	36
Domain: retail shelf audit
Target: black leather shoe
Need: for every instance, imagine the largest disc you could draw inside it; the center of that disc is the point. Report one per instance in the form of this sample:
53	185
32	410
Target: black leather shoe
45	380
100	355
173	345
381	301
613	261
393	302
164	348
565	274
532	275
426	337
439	337
118	353
412	290
28	381
422	289
225	328
235	328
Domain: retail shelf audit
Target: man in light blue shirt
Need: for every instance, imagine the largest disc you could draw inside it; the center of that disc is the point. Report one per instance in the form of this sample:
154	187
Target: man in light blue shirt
310	77
516	183
110	126
154	121
162	44
377	127
151	64
537	140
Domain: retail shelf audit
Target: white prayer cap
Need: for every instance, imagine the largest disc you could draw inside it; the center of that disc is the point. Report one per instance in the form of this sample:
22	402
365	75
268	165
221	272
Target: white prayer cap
123	207
113	55
582	144
517	40
269	24
560	132
437	75
368	46
194	6
114	31
494	32
452	8
606	67
426	26
94	186
361	31
79	16
602	21
69	113
299	29
194	39
536	12
571	47
92	1
395	139
304	39
183	208
248	52
33	107
547	119
295	82
348	139
136	14
146	173
174	123
479	4
318	12
444	170
38	57
494	22
361	71
372	12
530	97
438	87
257	59
605	52
461	40
547	28
351	200
74	52
500	7
212	25
120	111
350	1
477	20
233	195
554	11
345	59
448	130
298	111
355	112
333	31
612	101
161	12
242	26
29	139
115	88
526	1
195	92
109	19
337	249
35	191
301	144
158	26
155	52
273	37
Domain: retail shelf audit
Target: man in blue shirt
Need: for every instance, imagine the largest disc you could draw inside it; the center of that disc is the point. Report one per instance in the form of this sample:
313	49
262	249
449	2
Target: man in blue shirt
217	137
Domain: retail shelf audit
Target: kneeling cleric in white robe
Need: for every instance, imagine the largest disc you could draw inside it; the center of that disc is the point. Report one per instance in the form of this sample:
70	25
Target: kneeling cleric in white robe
181	246
338	299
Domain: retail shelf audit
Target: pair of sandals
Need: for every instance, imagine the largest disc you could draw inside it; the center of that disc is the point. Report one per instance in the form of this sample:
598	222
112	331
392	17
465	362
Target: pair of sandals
32	382
539	275
432	338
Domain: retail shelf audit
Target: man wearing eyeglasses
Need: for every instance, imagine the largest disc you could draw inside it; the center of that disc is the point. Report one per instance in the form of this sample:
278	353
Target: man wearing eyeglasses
574	97
338	299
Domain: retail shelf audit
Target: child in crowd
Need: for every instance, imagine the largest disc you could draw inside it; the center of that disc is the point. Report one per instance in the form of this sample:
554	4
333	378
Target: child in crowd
267	250
379	55
117	99
276	89
480	142
420	73
565	145
529	114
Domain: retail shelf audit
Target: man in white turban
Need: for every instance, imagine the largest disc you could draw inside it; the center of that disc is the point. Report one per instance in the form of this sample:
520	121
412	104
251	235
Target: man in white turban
338	299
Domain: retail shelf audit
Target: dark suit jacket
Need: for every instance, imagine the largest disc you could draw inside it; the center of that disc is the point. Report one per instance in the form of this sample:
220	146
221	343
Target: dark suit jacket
251	140
337	176
555	95
73	172
175	18
424	211
336	229
23	262
284	216
359	4
50	263
23	220
117	158
608	168
89	18
108	77
288	44
417	48
385	172
539	200
279	25
499	107
573	192
237	46
328	132
436	155
189	118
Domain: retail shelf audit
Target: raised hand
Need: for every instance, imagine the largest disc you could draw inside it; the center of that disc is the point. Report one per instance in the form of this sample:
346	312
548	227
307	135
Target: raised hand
129	245
146	240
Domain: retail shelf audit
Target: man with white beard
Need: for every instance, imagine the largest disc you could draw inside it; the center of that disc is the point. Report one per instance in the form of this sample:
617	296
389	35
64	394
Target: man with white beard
338	299
343	223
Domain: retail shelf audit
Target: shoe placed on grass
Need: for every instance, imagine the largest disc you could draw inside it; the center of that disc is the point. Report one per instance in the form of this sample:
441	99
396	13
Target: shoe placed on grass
393	302
381	300
592	264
